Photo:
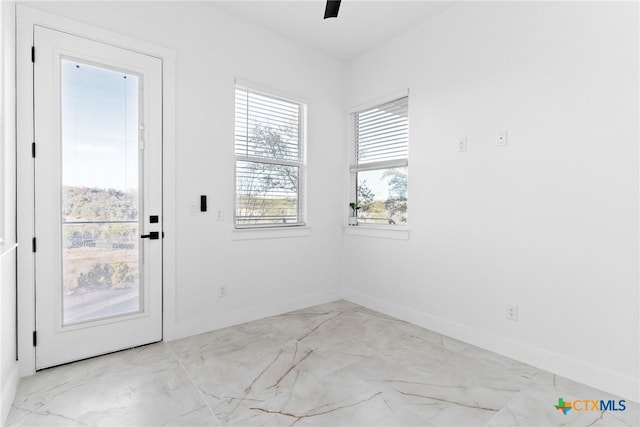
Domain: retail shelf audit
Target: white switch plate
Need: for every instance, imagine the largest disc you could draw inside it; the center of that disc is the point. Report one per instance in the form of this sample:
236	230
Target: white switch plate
462	144
501	138
193	210
219	215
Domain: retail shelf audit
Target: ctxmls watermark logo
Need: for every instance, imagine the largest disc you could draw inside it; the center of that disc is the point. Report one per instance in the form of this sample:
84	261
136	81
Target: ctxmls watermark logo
590	405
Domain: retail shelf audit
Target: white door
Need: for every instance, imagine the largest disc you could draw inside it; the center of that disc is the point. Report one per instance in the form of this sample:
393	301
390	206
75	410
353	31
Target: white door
98	198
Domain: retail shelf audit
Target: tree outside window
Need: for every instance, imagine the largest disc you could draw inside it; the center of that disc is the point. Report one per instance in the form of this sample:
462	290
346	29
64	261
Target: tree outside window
381	168
270	168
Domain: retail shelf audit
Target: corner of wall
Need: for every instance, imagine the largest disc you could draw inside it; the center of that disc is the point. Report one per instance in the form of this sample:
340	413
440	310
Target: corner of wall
574	369
10	382
9	366
197	326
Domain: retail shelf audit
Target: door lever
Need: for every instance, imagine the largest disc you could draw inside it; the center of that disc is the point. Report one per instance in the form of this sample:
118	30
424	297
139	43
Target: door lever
154	235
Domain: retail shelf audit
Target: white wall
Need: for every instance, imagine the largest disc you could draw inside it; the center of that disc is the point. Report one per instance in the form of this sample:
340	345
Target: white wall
549	222
212	50
9	374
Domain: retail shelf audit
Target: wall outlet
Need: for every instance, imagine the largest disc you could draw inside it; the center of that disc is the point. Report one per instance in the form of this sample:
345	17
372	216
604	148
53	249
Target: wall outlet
222	291
512	312
501	138
219	215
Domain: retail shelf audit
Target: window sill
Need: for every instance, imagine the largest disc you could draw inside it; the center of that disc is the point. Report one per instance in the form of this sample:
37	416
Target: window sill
381	232
269	233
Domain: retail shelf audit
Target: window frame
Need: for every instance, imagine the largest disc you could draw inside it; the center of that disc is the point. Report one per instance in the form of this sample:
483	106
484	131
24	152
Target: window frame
300	163
376	230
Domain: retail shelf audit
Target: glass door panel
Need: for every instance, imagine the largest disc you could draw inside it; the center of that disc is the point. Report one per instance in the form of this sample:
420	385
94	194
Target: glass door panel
101	274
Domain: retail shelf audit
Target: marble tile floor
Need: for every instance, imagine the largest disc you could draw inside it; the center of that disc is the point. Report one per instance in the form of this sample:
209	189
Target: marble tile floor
336	364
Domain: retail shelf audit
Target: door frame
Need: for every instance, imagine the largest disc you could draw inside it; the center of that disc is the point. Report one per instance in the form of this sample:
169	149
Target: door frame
26	19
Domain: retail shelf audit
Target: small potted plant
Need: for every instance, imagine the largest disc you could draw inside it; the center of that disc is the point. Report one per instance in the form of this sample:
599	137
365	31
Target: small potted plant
353	219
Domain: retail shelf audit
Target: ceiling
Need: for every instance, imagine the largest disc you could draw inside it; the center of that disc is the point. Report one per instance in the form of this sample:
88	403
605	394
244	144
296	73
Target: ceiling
360	25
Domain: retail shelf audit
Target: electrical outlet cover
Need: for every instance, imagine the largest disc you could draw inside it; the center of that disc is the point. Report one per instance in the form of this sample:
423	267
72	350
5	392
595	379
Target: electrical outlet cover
501	138
462	144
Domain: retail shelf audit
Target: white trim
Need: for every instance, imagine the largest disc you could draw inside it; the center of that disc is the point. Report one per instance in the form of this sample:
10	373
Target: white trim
379	101
9	387
26	19
24	135
625	386
60	23
5	249
269	233
270	91
169	194
269	161
383	164
395	232
217	320
300	163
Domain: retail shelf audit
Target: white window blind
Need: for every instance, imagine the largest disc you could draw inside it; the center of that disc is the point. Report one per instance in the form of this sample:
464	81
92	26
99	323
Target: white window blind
270	169
382	134
381	160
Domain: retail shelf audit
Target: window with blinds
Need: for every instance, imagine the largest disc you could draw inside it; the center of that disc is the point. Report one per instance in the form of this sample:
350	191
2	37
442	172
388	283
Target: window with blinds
381	162
270	168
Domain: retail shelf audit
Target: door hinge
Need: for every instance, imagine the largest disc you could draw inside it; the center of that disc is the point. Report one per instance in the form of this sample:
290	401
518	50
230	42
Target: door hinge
33	244
33	54
35	339
33	150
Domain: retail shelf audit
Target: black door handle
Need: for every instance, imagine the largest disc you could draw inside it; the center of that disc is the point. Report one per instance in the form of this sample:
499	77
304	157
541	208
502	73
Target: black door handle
154	235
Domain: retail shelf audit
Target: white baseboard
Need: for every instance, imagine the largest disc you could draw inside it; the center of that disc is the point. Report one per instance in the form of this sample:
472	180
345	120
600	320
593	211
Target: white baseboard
9	387
247	314
612	382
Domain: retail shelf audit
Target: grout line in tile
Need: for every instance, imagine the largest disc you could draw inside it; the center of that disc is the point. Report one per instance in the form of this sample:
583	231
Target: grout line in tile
194	384
514	397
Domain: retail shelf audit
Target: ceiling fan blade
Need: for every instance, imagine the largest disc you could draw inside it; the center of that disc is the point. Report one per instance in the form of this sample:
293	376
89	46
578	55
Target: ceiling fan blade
331	11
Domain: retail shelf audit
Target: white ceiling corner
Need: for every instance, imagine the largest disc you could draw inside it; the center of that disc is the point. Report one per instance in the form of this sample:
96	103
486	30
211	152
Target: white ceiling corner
360	25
